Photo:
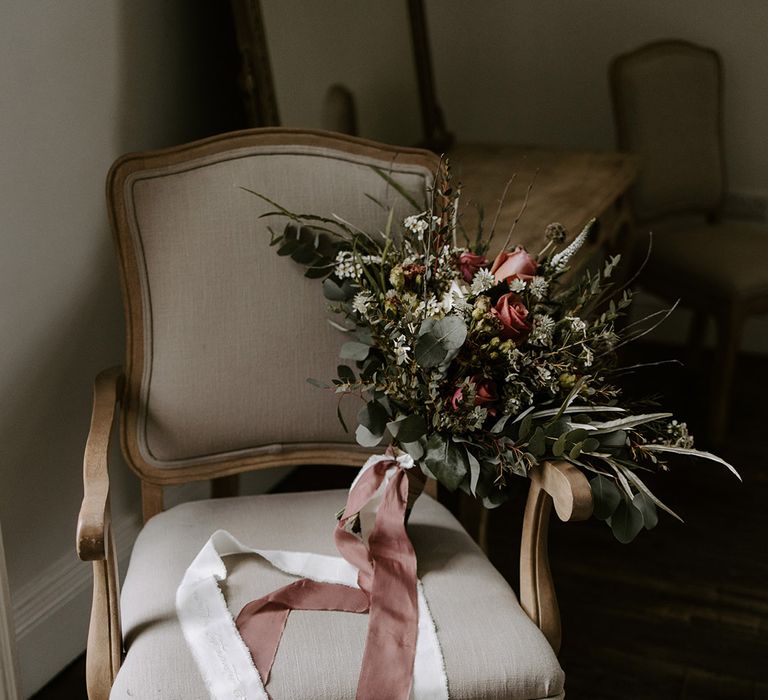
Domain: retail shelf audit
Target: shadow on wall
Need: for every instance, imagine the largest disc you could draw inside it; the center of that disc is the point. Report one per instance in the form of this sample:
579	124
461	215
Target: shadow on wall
178	73
45	431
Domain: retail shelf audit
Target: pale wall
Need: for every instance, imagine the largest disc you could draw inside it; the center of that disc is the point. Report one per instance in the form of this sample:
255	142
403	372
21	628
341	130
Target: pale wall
535	71
80	83
83	81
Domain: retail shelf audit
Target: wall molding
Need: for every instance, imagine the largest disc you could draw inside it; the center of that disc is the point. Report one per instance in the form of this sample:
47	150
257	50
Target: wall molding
9	668
60	597
64	580
51	613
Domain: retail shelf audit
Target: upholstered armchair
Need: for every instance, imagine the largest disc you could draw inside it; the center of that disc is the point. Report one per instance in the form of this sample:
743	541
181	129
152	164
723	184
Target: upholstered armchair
214	384
667	99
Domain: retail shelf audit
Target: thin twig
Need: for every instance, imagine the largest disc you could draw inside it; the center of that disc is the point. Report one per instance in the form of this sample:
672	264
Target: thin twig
631	280
647	330
501	204
621	370
522	210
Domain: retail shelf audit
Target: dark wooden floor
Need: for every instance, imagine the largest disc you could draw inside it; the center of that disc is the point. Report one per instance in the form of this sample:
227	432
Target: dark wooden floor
682	612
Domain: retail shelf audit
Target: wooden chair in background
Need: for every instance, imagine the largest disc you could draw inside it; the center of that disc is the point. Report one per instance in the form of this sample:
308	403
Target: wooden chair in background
222	334
667	99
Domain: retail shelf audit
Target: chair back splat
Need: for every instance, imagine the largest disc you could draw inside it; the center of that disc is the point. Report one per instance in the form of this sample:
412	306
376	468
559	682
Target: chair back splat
222	337
667	103
212	311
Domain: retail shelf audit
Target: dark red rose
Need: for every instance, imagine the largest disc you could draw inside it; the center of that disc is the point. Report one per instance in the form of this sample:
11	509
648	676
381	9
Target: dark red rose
513	315
469	264
486	394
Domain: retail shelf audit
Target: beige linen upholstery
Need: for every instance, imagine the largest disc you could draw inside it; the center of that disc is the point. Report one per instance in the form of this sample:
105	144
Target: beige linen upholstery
667	99
221	336
712	261
491	649
223	310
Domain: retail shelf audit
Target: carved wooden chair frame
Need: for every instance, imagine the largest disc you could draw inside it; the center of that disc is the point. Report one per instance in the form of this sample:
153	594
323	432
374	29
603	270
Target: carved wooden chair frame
116	396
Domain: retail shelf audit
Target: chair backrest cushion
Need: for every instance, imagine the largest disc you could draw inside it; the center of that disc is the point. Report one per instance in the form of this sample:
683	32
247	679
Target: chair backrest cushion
667	107
223	332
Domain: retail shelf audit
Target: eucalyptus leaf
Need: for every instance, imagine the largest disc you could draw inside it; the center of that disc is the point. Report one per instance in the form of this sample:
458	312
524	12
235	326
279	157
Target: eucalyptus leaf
615	438
363	334
525	428
316	272
444	460
646	506
559	447
334	292
366	438
628	422
691	453
339	327
374	418
640	485
576	435
537	444
353	350
543	413
474	472
414	449
304	254
605	496
575	451
288	247
346	373
439	340
408	429
626	522
590	444
498	426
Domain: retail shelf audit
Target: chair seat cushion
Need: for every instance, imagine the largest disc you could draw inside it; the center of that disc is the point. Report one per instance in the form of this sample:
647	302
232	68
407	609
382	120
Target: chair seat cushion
725	260
490	647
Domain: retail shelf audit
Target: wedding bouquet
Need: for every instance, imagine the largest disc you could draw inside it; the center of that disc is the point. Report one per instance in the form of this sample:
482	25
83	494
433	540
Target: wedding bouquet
479	368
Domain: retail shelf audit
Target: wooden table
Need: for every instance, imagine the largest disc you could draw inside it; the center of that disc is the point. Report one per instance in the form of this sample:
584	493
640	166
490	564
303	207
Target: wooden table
570	187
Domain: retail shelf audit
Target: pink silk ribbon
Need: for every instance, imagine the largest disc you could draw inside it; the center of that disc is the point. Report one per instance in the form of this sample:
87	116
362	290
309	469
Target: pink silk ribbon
387	580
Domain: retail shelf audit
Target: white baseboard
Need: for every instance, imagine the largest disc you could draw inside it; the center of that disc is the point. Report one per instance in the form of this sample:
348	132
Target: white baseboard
52	612
9	669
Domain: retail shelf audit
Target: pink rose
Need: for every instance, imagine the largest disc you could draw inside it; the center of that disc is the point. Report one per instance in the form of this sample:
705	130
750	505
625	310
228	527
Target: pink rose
485	393
512	314
469	264
516	265
456	399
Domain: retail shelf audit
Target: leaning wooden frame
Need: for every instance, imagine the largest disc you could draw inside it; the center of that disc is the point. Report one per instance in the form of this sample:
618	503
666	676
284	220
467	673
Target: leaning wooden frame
117	394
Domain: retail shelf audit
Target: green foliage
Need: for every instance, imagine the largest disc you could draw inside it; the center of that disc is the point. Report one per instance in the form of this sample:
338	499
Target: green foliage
480	378
439	340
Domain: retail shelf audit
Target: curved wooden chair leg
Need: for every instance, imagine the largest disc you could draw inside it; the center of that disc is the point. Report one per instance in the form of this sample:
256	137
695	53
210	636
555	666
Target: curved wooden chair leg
537	589
564	486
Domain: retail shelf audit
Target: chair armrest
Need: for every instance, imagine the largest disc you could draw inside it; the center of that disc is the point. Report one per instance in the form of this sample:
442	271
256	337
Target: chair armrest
567	487
564	485
93	521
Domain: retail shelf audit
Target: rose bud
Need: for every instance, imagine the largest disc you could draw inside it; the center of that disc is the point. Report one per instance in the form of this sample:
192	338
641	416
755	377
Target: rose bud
485	393
469	264
516	265
456	399
512	314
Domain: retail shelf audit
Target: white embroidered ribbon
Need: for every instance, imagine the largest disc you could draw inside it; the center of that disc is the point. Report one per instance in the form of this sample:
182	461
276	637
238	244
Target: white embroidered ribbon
221	655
